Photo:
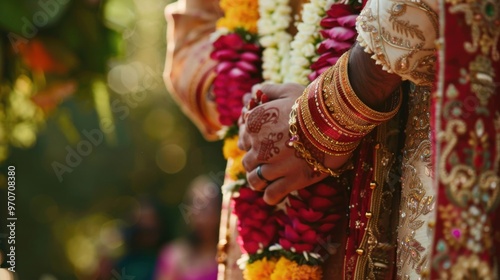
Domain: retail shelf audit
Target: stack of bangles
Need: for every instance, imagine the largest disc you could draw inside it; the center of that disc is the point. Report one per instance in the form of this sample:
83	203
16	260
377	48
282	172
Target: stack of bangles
332	118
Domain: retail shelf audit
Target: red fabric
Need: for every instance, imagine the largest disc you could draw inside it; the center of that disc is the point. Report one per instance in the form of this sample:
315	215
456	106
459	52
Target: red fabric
448	247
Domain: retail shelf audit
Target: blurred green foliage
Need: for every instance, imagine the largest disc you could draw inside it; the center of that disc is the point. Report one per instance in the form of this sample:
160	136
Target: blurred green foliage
73	228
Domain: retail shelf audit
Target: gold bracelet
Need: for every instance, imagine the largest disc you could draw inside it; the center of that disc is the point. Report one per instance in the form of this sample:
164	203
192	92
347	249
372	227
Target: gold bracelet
341	114
328	145
319	140
325	115
354	100
305	154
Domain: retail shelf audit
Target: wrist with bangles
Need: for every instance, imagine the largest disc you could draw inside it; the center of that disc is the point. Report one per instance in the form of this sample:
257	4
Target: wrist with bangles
330	116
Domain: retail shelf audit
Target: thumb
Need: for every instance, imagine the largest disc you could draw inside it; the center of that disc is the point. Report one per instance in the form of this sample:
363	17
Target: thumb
277	91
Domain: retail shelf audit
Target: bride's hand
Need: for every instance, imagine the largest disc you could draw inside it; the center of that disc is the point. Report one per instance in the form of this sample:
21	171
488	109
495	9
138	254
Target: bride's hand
264	134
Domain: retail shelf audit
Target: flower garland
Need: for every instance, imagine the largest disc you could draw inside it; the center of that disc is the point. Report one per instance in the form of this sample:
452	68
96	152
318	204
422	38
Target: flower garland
239	57
275	18
311	214
238	69
304	44
339	34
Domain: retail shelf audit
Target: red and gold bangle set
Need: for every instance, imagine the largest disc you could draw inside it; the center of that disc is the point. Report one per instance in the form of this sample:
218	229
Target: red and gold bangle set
332	117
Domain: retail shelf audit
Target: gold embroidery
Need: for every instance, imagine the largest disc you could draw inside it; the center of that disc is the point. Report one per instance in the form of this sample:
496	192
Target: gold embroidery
378	242
471	267
482	79
417	199
404	47
496	166
404	26
455	232
482	16
463	184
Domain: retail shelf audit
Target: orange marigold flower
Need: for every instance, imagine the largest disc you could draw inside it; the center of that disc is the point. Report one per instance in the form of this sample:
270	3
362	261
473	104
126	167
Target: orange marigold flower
289	270
239	14
235	168
260	269
230	148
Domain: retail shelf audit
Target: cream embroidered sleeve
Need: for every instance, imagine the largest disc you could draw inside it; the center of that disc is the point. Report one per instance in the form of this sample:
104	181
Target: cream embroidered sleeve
401	36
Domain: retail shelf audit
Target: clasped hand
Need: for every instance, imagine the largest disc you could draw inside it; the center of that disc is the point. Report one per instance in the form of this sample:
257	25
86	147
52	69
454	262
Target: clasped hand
264	135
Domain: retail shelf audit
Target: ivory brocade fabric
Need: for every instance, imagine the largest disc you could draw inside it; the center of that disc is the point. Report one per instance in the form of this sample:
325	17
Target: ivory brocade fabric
424	194
188	68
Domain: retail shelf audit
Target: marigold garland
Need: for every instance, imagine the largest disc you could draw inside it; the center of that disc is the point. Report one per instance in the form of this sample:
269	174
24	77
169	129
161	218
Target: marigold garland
259	269
230	148
239	14
289	270
310	215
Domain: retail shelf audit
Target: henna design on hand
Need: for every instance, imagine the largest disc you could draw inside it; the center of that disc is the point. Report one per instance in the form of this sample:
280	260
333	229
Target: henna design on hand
268	146
260	116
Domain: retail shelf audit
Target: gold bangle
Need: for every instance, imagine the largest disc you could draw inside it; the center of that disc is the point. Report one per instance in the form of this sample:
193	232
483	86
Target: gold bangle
328	145
325	115
305	154
354	100
319	140
341	114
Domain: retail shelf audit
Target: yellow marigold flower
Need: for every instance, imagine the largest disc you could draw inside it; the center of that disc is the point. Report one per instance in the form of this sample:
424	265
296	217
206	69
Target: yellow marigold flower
230	148
259	270
239	14
289	270
235	169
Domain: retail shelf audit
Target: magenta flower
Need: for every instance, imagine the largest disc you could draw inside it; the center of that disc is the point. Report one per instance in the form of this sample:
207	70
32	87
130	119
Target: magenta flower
311	217
257	225
339	35
238	70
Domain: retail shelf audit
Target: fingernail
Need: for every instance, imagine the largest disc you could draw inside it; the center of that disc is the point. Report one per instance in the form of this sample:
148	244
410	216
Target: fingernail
252	104
264	98
258	95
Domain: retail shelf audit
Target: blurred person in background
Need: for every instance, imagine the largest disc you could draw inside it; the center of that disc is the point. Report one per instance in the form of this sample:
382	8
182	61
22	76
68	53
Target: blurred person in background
143	240
192	257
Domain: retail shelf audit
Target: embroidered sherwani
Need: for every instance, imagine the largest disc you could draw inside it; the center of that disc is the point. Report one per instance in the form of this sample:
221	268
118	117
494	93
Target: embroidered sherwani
424	194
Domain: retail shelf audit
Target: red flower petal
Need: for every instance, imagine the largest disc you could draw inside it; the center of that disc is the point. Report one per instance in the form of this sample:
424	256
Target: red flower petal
326	228
330	44
285	244
339	33
251	247
324	190
296	203
320	203
330	218
250	57
224	54
223	67
348	21
291	235
299	226
310	237
310	215
302	247
245	66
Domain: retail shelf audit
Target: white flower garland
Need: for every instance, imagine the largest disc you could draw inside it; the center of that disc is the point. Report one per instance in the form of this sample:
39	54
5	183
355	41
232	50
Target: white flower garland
304	45
274	20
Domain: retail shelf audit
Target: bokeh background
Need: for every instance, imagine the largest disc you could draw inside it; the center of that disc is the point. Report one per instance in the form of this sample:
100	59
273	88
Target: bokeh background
97	142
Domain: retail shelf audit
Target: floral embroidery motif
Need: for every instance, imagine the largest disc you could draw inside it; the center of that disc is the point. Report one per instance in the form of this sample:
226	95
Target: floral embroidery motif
482	79
464	186
406	47
482	17
417	198
471	267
